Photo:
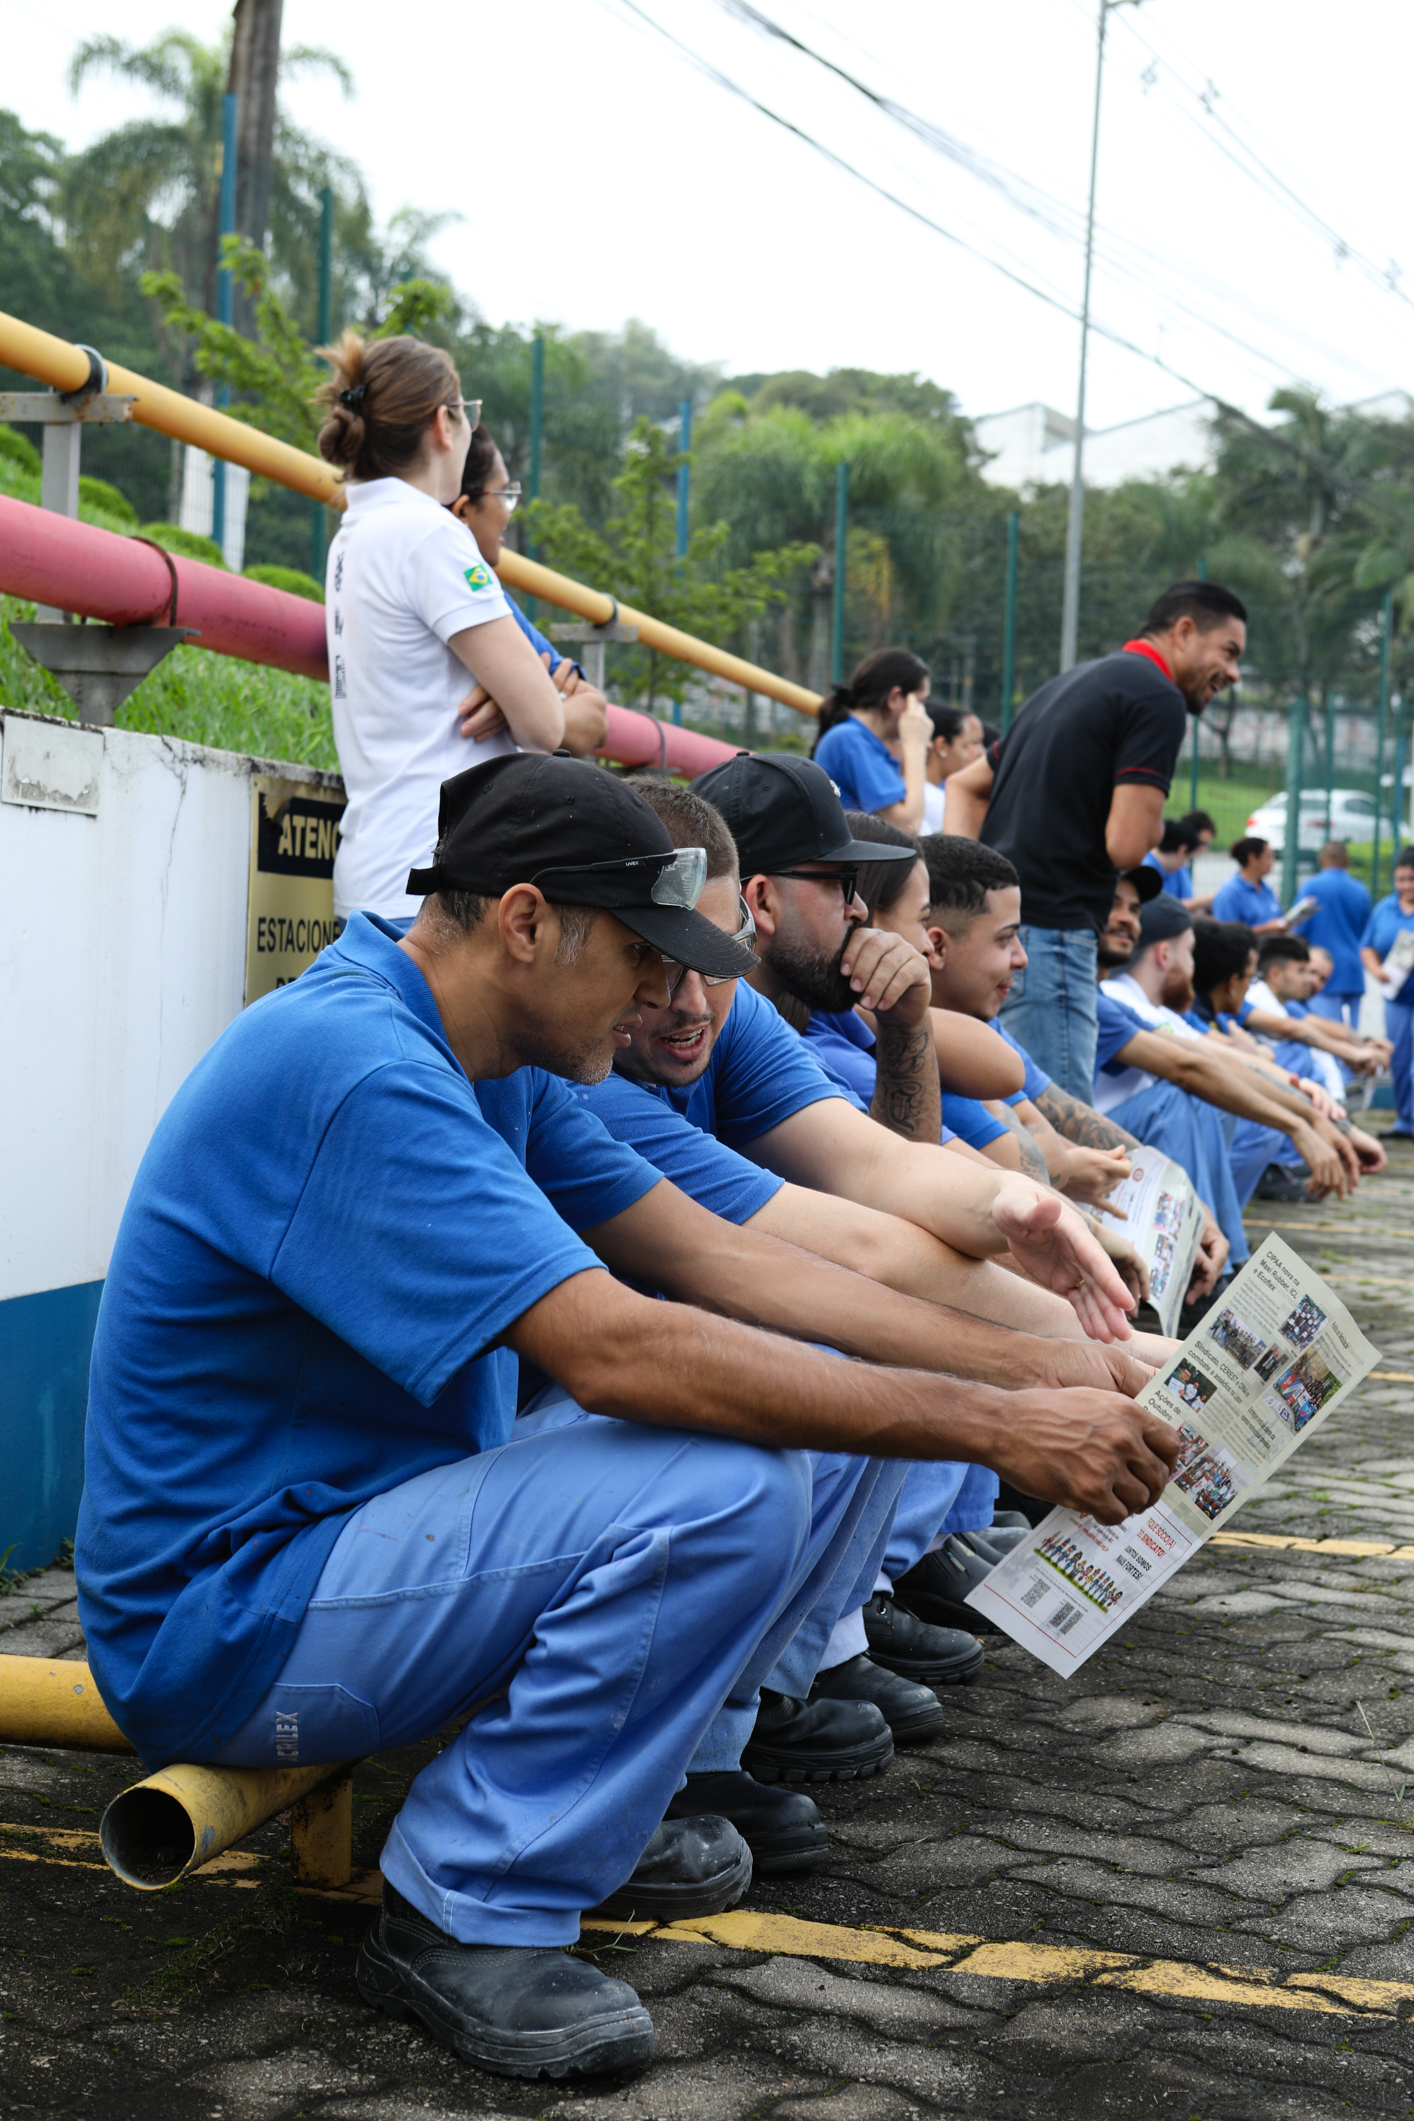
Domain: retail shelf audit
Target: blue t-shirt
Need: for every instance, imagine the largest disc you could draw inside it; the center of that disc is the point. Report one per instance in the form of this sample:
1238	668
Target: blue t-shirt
1037	1082
1177	882
1240	901
861	766
1379	933
845	1045
1338	925
327	1236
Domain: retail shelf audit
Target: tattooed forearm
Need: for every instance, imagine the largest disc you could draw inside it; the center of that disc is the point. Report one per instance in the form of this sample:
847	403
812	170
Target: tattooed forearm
907	1092
1080	1123
1033	1162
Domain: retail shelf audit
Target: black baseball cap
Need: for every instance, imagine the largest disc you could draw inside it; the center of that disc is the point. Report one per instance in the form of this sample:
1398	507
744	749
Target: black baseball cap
1146	881
782	809
585	839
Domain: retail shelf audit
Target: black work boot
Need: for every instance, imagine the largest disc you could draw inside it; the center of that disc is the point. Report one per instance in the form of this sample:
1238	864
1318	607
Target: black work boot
781	1827
913	1643
521	2011
936	1587
694	1866
912	1712
816	1741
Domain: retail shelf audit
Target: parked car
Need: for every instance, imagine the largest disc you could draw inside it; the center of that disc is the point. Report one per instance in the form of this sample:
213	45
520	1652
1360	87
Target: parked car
1351	816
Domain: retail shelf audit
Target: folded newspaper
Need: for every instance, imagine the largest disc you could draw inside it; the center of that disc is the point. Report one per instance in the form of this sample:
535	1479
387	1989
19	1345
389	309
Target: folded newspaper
1400	962
1158	1212
1264	1368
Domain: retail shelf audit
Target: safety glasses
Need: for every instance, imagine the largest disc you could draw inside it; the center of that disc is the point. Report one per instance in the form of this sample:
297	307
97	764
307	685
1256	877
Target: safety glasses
678	882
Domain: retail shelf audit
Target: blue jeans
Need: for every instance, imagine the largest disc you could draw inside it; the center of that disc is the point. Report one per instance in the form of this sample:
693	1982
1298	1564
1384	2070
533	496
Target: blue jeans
621	1582
1193	1134
1051	1008
1399	1026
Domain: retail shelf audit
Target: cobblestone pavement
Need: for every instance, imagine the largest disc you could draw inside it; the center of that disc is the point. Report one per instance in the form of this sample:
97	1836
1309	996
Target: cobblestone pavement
1230	1785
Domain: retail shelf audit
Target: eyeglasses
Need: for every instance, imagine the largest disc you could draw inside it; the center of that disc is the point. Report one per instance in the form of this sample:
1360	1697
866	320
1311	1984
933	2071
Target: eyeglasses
847	879
470	406
509	495
745	934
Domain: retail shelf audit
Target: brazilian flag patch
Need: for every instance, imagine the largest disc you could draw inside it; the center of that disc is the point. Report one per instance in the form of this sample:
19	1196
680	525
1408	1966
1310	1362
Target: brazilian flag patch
479	576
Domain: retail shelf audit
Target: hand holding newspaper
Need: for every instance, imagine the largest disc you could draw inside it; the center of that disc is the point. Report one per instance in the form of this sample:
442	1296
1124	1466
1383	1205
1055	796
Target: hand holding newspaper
1400	962
1157	1210
1267	1365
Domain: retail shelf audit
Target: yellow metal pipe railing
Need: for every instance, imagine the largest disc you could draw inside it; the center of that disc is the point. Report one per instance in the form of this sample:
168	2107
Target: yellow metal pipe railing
66	368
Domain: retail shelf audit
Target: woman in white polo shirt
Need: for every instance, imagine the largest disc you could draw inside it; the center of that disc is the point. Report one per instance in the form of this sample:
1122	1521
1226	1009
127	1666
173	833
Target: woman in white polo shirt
411	607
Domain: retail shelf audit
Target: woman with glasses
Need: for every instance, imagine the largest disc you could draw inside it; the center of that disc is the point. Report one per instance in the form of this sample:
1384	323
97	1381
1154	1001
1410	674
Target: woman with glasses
486	503
411	609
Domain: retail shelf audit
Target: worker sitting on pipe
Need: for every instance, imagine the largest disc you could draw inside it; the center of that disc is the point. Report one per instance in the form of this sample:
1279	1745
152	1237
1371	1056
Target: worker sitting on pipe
308	1529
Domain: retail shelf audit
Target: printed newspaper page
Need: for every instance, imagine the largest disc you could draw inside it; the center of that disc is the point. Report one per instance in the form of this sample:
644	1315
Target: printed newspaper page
1269	1363
1162	1220
1400	962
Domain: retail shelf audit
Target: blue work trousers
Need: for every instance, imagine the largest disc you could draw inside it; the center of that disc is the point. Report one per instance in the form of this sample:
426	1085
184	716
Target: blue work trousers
1338	1008
1399	1027
1190	1131
621	1582
937	1498
1051	1007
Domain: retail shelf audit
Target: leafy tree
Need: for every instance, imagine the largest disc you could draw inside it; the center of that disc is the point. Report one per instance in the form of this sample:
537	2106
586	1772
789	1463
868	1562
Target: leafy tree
635	558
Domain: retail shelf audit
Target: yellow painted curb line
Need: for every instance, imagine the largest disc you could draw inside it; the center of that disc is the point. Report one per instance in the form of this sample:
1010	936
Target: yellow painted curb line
1365	1549
742	1930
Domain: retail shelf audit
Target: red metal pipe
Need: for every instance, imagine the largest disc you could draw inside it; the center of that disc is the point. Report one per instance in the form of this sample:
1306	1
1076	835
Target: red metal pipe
78	567
125	582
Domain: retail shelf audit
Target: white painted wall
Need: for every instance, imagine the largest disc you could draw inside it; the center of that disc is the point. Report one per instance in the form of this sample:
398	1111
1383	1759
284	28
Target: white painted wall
122	957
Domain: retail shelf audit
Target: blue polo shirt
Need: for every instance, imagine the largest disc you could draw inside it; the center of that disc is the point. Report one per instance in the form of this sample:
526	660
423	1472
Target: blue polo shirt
540	642
1177	882
1338	925
1240	901
1379	933
327	1236
861	766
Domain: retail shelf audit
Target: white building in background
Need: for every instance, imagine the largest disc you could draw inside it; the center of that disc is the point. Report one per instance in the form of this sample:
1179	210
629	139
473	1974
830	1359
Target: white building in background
1034	445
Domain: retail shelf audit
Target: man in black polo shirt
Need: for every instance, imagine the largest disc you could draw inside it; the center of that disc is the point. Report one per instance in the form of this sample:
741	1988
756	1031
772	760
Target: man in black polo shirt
1075	793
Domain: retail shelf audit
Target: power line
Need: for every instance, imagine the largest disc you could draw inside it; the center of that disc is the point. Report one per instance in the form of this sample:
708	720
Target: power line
724	81
1053	213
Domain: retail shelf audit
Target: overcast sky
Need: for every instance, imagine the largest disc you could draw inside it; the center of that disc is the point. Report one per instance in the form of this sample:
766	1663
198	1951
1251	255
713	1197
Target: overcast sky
600	176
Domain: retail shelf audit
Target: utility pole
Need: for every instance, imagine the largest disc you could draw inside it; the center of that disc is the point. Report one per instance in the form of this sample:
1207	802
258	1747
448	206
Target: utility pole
1075	526
1009	622
537	421
1386	630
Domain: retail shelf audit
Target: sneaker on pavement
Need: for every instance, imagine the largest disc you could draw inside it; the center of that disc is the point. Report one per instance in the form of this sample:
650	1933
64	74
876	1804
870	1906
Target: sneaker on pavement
913	1712
912	1644
516	2010
816	1741
695	1866
780	1826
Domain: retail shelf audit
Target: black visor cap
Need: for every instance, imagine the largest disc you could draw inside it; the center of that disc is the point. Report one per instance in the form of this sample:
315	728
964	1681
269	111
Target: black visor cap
783	810
584	838
1146	881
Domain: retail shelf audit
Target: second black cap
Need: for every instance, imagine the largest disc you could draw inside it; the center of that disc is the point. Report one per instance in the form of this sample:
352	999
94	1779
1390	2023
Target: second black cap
782	809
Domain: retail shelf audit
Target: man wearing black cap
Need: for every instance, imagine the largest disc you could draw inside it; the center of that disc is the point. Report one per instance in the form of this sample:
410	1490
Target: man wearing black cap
308	1530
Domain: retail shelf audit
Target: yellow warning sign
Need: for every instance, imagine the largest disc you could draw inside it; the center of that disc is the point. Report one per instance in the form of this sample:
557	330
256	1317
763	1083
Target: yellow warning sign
294	836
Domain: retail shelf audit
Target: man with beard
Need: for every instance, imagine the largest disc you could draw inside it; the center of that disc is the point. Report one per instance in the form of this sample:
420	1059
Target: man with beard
1076	790
1166	1083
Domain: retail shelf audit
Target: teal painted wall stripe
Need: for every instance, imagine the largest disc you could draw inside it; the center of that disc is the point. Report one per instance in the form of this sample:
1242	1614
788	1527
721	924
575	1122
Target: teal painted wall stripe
45	1343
